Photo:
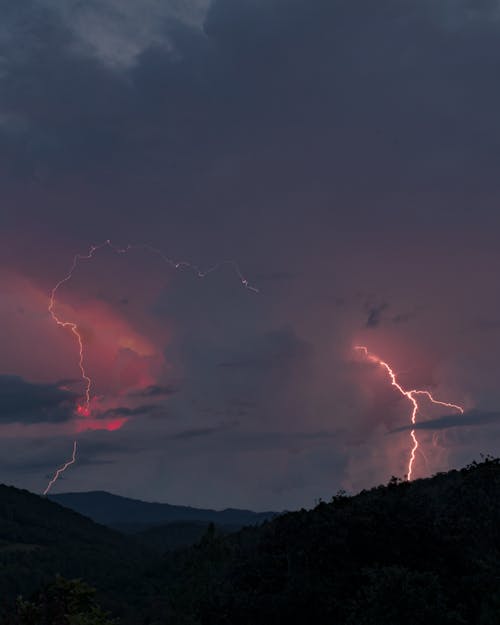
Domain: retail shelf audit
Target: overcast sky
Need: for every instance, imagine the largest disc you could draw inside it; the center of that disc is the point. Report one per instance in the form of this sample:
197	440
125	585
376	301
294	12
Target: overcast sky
345	153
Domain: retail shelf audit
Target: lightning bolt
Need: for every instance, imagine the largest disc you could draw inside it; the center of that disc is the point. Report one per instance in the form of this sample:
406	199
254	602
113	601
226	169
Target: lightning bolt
61	470
412	396
83	409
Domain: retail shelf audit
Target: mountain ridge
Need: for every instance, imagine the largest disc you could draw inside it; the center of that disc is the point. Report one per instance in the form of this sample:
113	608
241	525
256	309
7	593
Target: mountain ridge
117	511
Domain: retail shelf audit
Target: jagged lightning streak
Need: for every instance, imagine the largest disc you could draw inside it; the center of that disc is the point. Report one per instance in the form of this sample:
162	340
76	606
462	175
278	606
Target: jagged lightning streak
83	409
61	470
411	395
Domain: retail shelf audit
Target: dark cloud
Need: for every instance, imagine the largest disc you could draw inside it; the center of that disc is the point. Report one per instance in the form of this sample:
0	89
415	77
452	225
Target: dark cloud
275	349
25	402
103	443
240	440
87	461
274	276
229	87
65	382
155	390
125	411
375	315
44	85
404	317
473	418
202	432
250	363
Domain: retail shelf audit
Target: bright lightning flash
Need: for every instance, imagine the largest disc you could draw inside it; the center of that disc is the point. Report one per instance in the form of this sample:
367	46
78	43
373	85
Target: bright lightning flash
412	396
61	470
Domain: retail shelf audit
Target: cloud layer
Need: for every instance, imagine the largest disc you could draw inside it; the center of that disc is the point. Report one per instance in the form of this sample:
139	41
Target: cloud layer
25	402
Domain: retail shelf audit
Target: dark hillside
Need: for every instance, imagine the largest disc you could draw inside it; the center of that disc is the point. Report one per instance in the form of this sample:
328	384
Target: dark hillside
426	552
177	535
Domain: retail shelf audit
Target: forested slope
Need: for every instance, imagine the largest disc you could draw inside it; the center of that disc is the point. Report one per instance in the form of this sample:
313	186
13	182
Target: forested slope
413	553
39	538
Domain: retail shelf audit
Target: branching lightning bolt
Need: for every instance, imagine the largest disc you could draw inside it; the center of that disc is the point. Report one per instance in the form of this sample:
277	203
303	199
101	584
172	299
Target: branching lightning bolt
411	395
83	409
61	470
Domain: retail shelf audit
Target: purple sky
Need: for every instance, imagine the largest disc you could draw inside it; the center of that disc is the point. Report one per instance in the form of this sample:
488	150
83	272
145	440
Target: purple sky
346	154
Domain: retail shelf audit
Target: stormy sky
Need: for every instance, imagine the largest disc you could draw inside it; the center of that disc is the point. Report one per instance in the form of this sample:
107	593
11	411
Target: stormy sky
345	153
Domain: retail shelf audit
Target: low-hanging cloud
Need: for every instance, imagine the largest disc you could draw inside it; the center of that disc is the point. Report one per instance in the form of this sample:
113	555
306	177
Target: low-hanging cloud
125	411
472	418
26	402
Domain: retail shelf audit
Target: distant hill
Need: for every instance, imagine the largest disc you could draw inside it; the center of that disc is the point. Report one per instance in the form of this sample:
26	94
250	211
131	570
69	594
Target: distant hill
132	515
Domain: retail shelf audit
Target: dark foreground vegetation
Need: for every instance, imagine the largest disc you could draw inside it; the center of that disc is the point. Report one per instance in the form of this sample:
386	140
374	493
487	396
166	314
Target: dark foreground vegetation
420	553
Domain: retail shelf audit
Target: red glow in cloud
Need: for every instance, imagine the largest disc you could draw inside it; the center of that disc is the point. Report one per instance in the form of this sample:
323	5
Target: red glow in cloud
116	424
120	358
88	422
92	423
83	411
411	395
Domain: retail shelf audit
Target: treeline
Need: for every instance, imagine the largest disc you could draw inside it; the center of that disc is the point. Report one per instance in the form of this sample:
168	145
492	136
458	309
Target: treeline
413	553
62	602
